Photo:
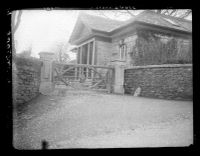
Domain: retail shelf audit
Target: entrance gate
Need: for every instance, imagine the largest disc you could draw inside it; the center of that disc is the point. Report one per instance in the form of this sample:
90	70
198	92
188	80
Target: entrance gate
83	76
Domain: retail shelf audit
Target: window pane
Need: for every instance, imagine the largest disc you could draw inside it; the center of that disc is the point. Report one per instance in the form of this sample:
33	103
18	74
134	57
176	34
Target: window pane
125	51
91	52
78	55
84	54
122	51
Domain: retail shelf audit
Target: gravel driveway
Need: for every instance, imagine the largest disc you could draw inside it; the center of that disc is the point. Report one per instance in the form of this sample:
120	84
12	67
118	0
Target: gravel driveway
86	119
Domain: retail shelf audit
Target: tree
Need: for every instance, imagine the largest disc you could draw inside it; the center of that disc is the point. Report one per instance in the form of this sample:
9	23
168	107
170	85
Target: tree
181	13
61	50
15	22
117	13
65	57
26	53
175	12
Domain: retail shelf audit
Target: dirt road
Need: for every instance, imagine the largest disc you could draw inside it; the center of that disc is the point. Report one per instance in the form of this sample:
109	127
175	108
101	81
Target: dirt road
88	119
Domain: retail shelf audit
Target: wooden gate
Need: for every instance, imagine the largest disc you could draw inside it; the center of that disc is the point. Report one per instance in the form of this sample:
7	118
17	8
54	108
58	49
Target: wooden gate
83	76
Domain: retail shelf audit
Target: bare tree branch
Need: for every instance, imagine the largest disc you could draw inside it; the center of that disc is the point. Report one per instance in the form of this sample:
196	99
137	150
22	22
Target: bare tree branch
130	13
175	14
173	11
14	28
18	20
165	12
183	14
186	14
170	12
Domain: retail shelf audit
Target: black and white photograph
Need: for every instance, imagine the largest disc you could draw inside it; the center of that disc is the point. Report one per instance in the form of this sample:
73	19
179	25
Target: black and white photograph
96	79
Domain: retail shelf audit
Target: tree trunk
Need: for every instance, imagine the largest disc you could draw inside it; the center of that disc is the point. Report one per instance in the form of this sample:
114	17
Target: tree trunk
14	28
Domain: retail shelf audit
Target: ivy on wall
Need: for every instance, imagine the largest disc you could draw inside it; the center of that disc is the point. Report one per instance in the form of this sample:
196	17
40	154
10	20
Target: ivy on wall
157	48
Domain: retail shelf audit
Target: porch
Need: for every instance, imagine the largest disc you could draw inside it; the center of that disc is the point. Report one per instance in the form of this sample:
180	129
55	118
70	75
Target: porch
85	54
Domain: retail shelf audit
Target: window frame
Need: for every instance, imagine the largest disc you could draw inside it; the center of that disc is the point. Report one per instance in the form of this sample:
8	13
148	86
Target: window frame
93	49
122	50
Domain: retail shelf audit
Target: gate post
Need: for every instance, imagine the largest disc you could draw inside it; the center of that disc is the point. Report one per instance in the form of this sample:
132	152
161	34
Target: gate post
119	66
46	85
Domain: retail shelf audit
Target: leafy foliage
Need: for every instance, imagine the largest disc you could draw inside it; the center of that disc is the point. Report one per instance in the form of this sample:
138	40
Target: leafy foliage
153	48
25	53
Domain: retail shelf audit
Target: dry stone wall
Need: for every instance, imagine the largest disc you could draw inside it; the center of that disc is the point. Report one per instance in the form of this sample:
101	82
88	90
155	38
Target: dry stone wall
26	79
160	81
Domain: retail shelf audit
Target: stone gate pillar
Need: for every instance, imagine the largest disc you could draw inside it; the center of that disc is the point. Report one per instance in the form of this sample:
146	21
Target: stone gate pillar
46	85
119	66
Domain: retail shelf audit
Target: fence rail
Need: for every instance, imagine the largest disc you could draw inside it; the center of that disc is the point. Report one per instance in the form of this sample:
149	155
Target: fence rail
83	76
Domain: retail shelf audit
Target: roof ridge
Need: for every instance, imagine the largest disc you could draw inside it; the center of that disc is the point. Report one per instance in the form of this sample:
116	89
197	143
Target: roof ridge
147	12
136	16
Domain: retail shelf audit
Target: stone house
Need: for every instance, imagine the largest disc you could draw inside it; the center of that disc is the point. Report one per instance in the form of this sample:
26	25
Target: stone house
146	39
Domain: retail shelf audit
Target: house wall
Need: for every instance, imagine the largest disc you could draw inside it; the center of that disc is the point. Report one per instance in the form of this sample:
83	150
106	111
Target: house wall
26	79
103	52
146	46
160	81
130	40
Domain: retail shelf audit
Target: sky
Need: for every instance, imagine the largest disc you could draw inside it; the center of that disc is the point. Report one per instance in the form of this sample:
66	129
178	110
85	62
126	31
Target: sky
43	30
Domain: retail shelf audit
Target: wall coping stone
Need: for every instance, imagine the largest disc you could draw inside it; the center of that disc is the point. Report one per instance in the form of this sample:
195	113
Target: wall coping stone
160	66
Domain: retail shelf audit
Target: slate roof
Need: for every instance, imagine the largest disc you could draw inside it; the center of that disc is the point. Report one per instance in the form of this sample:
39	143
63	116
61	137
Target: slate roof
149	17
146	17
153	18
100	23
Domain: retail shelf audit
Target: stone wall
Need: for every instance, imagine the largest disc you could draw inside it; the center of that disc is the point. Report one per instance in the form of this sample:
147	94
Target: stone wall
26	79
160	81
